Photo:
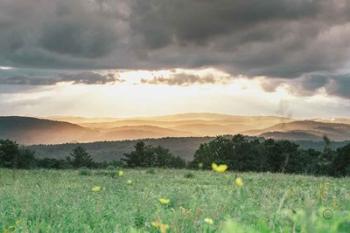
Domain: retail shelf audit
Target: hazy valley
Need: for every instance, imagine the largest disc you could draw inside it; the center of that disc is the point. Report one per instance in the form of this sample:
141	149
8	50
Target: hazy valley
56	130
110	138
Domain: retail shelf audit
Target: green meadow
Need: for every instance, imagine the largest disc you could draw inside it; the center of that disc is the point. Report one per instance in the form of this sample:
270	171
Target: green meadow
199	201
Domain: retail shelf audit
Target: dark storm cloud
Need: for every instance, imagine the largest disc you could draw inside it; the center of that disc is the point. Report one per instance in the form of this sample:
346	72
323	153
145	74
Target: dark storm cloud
281	39
340	86
332	84
277	38
184	79
167	21
58	33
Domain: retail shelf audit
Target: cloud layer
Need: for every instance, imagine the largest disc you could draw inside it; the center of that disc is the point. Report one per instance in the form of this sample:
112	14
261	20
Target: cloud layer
279	39
331	84
189	77
49	78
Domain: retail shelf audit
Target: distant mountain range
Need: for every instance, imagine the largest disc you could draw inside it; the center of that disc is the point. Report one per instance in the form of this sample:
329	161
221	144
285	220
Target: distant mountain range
55	130
27	130
305	130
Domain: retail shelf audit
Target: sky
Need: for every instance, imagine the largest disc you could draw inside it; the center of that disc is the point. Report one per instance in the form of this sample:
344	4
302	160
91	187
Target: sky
122	58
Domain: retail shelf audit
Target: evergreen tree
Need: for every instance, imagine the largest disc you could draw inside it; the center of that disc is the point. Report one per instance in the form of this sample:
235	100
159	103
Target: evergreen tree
80	158
9	154
149	156
341	163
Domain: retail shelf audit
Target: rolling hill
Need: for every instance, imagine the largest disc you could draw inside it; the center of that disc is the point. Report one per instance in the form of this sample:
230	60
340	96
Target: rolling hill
189	124
142	131
107	140
305	130
107	151
114	150
29	130
341	120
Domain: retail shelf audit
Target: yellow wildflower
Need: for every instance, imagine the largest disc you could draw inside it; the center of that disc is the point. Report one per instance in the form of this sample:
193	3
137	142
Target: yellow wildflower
163	228
239	182
219	168
120	173
155	224
96	189
209	221
164	201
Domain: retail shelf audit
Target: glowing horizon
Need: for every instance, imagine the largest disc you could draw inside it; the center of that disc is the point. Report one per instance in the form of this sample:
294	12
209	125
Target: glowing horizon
131	93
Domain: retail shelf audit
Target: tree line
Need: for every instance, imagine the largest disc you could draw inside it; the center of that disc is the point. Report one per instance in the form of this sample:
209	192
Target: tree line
246	154
240	153
14	156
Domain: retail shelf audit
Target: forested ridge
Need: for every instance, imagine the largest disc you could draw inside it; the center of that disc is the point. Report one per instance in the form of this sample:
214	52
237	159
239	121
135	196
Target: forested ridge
238	152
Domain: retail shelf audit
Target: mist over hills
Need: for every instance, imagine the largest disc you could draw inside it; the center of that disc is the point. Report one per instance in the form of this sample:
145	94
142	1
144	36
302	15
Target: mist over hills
28	130
56	130
305	130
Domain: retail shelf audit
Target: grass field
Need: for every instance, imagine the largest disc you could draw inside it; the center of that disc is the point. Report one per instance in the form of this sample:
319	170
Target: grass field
200	201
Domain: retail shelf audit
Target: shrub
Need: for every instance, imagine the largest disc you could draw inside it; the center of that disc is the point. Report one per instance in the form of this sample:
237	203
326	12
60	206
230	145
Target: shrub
139	220
151	171
111	167
189	175
85	172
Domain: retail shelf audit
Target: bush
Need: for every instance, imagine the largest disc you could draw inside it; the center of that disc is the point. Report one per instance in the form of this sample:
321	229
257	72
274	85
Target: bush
151	171
139	220
105	173
111	167
189	175
85	172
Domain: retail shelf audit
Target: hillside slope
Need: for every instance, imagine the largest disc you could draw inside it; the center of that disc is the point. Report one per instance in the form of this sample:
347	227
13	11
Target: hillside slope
107	151
305	130
28	130
187	124
183	147
141	131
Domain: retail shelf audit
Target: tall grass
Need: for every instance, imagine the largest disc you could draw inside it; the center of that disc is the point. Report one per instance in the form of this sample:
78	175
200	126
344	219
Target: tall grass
62	201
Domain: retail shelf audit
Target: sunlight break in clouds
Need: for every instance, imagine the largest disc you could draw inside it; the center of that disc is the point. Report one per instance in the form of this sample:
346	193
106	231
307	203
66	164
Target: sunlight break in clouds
142	92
